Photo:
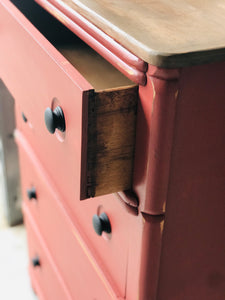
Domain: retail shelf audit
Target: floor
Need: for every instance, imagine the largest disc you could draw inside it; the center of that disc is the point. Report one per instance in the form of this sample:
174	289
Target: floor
14	278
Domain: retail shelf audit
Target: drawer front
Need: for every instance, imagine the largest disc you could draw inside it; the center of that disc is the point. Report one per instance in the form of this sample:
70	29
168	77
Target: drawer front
45	278
73	239
38	76
42	81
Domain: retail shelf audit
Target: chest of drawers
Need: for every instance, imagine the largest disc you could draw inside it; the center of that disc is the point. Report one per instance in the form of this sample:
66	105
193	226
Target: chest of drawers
117	137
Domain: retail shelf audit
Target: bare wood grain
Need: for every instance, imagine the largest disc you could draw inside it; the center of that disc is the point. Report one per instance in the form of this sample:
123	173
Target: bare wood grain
164	33
111	138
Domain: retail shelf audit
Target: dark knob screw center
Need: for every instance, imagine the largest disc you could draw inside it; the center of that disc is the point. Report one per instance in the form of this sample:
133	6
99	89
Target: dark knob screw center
35	261
31	193
55	119
101	223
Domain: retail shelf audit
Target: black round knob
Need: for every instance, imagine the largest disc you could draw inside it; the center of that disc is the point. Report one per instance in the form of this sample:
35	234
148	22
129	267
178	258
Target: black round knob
35	261
24	117
101	223
31	193
55	119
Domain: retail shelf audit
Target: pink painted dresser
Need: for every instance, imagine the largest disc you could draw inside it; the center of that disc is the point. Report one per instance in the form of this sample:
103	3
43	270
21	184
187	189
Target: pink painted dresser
120	119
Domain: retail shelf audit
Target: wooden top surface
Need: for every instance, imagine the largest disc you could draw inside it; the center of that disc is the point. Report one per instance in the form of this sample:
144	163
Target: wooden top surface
166	33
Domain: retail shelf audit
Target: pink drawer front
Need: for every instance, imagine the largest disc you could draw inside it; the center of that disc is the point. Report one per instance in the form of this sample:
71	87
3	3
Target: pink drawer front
36	74
45	277
40	78
80	272
101	260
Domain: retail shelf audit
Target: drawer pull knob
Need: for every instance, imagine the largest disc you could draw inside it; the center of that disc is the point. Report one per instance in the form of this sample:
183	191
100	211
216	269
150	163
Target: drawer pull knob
31	193
101	223
24	117
35	261
55	119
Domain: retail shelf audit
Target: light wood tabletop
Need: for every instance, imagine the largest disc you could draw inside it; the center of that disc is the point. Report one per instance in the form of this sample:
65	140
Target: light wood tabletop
165	33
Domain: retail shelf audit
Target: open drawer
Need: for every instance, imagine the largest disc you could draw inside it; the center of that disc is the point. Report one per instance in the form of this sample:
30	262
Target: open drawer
91	150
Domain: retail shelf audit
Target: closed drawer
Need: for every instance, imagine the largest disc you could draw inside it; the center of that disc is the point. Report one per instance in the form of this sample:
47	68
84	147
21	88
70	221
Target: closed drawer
90	153
45	277
71	236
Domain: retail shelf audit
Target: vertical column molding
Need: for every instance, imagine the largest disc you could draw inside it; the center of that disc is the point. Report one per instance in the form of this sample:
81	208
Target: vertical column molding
155	127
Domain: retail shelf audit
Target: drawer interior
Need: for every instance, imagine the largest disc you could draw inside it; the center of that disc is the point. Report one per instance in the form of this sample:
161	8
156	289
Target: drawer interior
97	71
93	67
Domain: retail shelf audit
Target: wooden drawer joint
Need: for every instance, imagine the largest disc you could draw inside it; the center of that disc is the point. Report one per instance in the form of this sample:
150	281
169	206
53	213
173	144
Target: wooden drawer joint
110	141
